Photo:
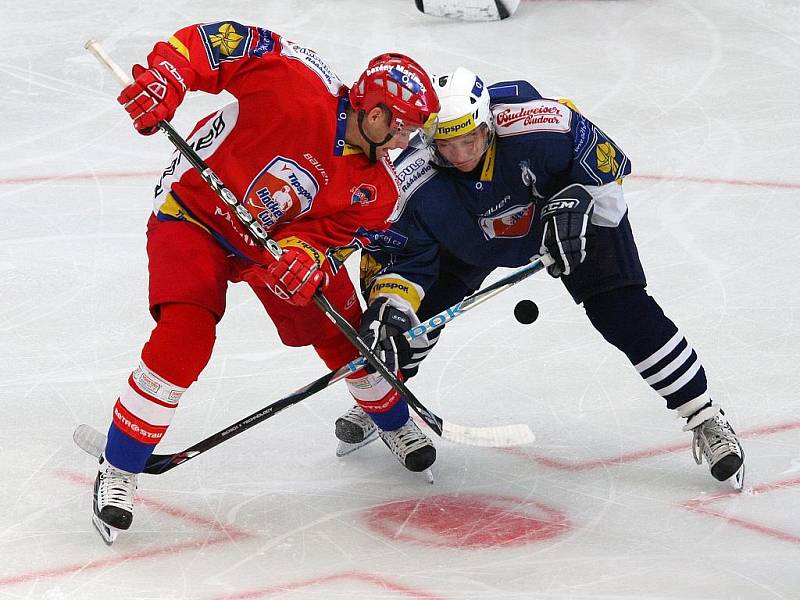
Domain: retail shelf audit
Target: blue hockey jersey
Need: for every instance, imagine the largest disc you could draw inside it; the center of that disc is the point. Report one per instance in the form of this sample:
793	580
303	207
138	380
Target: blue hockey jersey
490	218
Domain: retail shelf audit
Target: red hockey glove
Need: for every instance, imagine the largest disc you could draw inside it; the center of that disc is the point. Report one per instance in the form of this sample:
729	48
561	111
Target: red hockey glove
294	277
156	92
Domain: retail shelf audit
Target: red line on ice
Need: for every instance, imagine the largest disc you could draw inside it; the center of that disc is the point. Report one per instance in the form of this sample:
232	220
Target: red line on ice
565	465
283	588
700	505
102	176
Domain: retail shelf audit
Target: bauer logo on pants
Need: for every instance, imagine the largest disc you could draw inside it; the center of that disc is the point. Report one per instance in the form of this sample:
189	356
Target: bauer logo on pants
282	191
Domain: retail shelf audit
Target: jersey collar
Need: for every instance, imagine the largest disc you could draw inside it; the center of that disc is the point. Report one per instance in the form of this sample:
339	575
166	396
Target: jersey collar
340	146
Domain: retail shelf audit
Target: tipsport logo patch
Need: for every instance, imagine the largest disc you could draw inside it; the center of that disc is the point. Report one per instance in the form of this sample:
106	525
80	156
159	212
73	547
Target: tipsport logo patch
282	191
363	194
512	223
224	41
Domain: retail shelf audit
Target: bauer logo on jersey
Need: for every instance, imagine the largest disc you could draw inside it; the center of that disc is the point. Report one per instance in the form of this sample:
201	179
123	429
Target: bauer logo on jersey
537	115
281	192
363	194
514	222
225	41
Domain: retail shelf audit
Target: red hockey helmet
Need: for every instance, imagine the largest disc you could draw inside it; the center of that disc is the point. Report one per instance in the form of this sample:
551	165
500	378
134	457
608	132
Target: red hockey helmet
400	84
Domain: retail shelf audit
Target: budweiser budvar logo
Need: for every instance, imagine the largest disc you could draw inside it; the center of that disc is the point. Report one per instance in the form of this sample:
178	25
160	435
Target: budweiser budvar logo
529	116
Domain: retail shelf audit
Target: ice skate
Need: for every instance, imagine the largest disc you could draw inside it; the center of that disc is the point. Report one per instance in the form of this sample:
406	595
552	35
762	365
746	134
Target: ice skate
412	447
715	439
354	429
113	500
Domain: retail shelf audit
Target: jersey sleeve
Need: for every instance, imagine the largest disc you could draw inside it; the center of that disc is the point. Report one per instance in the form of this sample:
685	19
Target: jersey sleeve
597	159
215	53
561	141
400	262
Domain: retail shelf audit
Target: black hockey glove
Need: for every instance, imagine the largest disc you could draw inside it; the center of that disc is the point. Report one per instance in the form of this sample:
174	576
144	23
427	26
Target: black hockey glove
566	220
420	348
382	328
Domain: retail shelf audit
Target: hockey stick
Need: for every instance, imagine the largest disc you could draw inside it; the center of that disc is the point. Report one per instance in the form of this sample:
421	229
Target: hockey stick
451	431
469	10
93	442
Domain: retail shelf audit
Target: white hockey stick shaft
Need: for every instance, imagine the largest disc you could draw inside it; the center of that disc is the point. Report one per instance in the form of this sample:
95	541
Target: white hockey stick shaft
104	59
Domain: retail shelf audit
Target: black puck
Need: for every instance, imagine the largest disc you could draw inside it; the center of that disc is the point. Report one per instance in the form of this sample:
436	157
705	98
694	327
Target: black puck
526	312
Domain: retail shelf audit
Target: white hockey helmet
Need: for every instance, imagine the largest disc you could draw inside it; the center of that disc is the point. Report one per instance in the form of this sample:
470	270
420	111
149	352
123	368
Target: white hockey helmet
464	102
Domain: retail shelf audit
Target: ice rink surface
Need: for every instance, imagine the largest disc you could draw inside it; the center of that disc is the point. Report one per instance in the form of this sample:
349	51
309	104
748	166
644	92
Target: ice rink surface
606	504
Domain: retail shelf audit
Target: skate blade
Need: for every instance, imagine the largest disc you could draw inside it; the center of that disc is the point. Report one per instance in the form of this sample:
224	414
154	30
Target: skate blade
737	479
428	476
109	534
345	448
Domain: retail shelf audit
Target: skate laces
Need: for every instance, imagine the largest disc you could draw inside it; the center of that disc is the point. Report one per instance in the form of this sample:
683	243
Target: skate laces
117	488
354	426
714	439
407	438
358	416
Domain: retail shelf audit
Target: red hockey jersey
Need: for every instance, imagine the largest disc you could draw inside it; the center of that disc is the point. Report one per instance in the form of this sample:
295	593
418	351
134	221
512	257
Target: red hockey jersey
280	147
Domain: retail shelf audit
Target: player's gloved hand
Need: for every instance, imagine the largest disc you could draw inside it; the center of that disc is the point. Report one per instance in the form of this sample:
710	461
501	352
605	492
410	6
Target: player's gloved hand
382	328
421	346
566	220
294	277
157	91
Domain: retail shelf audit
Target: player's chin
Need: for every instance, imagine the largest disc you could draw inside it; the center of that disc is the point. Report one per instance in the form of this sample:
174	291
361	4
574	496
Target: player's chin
467	166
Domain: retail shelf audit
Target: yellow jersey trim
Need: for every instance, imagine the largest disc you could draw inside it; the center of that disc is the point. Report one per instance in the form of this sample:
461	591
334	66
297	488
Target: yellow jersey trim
296	242
396	286
487	173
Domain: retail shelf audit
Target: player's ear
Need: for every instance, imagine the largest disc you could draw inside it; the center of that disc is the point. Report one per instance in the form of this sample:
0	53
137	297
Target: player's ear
379	114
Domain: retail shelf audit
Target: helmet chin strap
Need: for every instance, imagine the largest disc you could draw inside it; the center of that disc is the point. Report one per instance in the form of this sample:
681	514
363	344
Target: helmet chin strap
373	146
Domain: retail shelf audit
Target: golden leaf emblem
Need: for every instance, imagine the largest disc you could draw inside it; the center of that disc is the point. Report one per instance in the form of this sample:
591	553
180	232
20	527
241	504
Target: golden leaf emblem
227	40
607	158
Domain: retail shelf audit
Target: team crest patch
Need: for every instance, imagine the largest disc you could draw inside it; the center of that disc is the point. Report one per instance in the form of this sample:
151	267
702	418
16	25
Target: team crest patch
281	192
512	223
366	193
607	158
225	41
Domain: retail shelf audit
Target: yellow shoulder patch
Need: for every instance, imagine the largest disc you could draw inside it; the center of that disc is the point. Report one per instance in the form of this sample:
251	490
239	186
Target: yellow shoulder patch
179	46
568	103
